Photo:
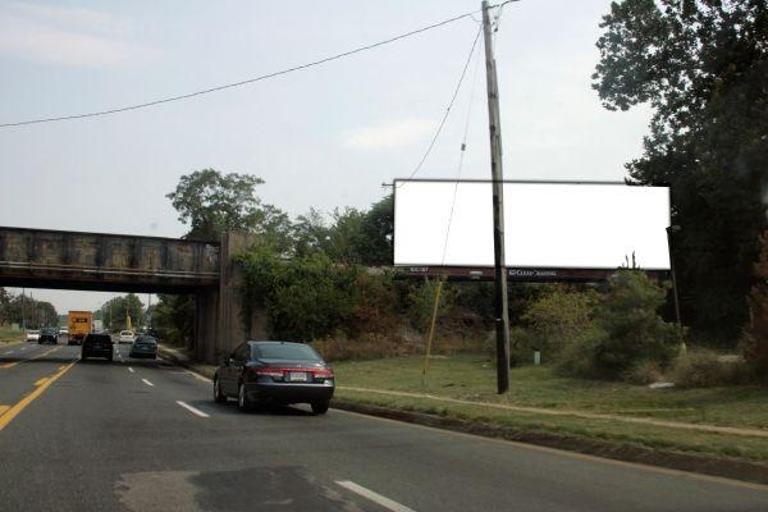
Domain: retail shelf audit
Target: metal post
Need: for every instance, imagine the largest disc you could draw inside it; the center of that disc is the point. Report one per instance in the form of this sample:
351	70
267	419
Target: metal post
23	315
494	125
670	230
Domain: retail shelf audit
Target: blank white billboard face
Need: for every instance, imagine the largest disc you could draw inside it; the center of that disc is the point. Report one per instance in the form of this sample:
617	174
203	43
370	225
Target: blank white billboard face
547	225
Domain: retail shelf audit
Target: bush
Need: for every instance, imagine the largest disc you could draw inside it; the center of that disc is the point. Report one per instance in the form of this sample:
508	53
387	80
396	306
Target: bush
421	300
306	298
703	368
557	318
644	373
578	357
627	331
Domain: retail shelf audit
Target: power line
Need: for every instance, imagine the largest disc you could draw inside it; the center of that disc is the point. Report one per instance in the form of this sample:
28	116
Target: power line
242	82
463	150
447	110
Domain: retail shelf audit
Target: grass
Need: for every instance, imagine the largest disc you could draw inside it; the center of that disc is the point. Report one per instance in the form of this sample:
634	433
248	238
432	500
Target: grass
471	377
8	334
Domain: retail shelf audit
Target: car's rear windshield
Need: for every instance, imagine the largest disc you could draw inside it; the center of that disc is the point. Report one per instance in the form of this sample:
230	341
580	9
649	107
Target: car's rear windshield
286	351
146	339
99	337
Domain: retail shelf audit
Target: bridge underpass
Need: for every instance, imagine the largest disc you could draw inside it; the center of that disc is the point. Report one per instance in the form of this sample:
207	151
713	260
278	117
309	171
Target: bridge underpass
40	258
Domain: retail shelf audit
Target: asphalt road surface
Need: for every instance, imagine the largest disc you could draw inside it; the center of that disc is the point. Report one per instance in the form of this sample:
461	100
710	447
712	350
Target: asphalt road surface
147	436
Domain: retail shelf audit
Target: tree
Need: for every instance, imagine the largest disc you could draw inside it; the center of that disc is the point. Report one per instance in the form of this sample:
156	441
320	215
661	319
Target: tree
378	228
212	203
702	65
116	312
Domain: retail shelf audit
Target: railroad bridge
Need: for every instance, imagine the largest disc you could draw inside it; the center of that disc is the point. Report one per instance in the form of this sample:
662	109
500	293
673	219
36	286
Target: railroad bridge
43	258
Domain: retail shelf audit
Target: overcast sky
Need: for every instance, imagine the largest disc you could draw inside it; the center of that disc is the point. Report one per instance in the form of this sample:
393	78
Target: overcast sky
324	137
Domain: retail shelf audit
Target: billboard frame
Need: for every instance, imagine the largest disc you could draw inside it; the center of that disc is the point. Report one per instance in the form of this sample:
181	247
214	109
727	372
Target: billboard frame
404	266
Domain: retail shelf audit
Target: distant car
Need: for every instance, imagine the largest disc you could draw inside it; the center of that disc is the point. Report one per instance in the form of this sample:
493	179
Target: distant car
97	345
144	346
48	336
33	335
274	371
126	337
64	331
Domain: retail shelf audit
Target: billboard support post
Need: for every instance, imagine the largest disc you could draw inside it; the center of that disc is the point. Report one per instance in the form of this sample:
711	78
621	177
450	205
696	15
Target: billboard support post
494	126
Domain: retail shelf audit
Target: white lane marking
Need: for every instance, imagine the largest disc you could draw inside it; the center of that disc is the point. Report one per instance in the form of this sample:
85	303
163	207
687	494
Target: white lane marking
374	497
10	352
24	348
145	381
130	369
193	410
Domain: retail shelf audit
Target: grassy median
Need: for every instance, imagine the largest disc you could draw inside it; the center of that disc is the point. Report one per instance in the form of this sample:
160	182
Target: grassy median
8	334
472	378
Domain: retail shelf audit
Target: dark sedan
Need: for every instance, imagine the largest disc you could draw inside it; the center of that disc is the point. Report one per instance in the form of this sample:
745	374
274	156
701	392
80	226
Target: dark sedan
97	345
144	346
48	336
279	372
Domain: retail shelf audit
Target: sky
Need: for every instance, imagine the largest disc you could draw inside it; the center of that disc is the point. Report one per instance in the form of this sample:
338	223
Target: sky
324	137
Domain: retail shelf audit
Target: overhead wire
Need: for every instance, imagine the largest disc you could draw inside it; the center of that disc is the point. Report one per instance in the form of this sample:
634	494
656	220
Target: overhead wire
240	83
455	94
462	153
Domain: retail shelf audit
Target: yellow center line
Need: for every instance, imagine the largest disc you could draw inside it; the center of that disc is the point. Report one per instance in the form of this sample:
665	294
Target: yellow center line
10	365
4	408
7	415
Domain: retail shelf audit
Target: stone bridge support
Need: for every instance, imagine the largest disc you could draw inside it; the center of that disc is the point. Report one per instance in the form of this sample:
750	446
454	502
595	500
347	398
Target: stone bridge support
220	322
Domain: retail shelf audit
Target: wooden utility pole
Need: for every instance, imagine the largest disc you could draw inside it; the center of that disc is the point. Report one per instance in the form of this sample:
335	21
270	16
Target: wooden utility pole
494	125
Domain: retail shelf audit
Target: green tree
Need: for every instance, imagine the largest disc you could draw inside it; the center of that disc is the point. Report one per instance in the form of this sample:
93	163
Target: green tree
305	298
116	312
212	203
702	65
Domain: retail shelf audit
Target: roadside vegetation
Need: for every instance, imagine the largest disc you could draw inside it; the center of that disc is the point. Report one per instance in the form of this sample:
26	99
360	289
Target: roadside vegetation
470	378
10	334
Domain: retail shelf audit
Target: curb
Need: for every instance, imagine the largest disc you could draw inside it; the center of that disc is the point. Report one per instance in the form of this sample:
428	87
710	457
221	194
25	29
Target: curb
719	467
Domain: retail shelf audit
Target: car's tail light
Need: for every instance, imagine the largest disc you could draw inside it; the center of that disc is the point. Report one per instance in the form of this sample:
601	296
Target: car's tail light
325	373
269	372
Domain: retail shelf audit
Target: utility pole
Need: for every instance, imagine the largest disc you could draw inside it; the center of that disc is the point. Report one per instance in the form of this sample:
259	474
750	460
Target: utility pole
23	316
494	126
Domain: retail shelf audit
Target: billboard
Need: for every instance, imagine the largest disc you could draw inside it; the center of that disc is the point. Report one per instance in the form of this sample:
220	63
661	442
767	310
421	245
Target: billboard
547	224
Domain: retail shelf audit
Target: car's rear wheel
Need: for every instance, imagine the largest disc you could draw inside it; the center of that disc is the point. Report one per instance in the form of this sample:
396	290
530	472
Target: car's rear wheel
320	407
243	403
218	396
83	357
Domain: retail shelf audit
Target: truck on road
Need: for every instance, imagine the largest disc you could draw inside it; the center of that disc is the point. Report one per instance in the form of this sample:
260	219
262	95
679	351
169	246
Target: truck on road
80	324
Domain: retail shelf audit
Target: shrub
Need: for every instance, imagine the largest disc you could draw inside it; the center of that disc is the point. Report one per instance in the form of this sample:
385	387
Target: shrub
634	331
421	300
703	368
644	373
305	298
556	318
627	331
578	357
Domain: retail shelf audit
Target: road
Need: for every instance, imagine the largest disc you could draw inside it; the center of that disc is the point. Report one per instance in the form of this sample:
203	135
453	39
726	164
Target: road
146	436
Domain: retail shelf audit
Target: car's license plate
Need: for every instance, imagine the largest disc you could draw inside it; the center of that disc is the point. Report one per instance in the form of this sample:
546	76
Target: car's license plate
298	377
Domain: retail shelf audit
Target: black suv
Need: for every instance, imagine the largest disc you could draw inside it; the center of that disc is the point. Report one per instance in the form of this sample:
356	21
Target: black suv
97	345
48	336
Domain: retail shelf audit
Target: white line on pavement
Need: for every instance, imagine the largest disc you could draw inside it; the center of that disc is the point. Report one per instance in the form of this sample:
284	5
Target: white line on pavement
374	497
130	369
193	410
145	381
